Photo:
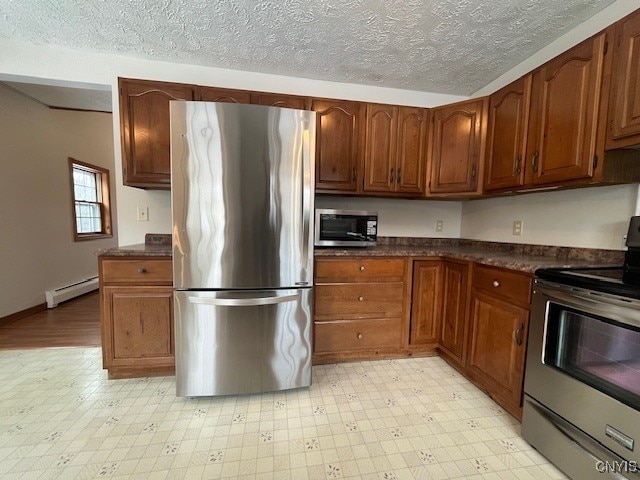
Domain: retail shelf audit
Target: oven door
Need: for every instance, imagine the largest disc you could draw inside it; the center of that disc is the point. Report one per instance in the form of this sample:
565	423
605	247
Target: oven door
583	363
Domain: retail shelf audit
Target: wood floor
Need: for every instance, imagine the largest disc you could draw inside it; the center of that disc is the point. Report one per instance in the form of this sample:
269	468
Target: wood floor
75	323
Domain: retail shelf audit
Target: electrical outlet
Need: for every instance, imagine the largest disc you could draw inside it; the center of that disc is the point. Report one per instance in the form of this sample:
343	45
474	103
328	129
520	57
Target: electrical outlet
517	227
624	241
439	225
143	214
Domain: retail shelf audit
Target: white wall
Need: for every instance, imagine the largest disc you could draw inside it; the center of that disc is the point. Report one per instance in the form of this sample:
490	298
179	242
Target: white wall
403	218
595	217
37	251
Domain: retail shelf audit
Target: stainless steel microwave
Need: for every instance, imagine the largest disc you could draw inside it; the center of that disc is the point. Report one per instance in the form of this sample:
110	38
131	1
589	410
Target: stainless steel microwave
345	228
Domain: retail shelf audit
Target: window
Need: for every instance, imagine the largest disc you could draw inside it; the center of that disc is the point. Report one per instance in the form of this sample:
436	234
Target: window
90	192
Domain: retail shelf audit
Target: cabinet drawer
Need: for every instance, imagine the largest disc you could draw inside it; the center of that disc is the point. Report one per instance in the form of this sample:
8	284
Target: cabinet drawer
147	272
354	335
359	269
356	300
503	283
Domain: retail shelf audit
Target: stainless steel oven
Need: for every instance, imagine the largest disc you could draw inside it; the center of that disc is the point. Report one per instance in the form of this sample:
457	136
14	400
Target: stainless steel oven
582	380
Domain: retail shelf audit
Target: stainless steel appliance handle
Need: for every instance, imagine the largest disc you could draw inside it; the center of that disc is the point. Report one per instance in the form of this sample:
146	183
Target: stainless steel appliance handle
567	434
306	196
621	310
244	302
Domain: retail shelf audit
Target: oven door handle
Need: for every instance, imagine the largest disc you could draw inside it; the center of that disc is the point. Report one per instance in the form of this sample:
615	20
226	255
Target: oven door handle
618	310
567	434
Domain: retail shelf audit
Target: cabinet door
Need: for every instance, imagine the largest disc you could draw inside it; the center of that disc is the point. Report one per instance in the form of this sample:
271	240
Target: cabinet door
507	135
565	106
144	119
380	148
138	325
497	342
425	302
456	147
454	307
625	89
412	145
278	100
339	127
226	95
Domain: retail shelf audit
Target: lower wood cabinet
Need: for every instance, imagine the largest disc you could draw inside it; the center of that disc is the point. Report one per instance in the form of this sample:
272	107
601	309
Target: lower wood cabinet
498	326
454	308
137	316
426	302
359	308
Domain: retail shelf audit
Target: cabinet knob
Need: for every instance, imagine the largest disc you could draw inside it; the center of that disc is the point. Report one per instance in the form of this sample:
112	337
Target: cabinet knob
362	268
359	336
142	270
360	298
496	283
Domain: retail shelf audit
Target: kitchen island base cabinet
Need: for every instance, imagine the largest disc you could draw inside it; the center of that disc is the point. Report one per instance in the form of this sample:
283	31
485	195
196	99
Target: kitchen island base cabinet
137	317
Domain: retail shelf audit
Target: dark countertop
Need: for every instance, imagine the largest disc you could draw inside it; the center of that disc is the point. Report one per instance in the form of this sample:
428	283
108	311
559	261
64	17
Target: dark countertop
509	260
524	258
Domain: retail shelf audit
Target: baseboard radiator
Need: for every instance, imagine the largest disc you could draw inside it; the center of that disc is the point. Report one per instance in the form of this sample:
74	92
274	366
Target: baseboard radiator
62	294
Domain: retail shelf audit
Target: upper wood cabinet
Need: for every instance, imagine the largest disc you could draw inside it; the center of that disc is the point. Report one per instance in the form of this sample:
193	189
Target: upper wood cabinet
507	135
279	100
339	138
624	113
565	113
456	147
380	148
144	111
226	95
395	149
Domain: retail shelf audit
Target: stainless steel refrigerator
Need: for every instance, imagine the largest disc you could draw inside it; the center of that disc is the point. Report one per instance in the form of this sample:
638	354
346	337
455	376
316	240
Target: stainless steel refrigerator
242	181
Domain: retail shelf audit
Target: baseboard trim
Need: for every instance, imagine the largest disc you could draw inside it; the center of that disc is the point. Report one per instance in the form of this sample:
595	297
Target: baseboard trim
14	317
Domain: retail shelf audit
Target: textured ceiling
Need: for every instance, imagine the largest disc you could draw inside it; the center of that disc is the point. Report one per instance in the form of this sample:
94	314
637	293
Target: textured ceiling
448	46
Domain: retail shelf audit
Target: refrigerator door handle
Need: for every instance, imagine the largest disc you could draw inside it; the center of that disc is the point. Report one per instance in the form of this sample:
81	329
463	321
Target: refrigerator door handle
245	302
306	195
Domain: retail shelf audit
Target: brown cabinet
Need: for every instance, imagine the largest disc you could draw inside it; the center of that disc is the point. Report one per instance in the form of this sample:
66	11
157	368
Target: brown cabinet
624	113
566	100
279	100
339	143
395	149
454	309
507	135
426	302
359	307
498	323
136	314
225	95
456	147
144	113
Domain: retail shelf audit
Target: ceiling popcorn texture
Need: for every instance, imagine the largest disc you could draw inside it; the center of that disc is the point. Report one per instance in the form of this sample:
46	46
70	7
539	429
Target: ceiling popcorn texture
442	46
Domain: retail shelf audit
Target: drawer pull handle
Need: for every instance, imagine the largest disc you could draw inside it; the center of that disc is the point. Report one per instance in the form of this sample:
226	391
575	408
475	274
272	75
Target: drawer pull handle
361	298
142	270
359	336
496	283
362	268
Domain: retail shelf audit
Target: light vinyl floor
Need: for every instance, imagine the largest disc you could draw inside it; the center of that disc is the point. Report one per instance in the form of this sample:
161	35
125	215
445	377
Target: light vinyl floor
387	420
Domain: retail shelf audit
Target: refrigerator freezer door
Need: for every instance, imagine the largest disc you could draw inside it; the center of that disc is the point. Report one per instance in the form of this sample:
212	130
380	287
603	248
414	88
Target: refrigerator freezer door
242	196
237	342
